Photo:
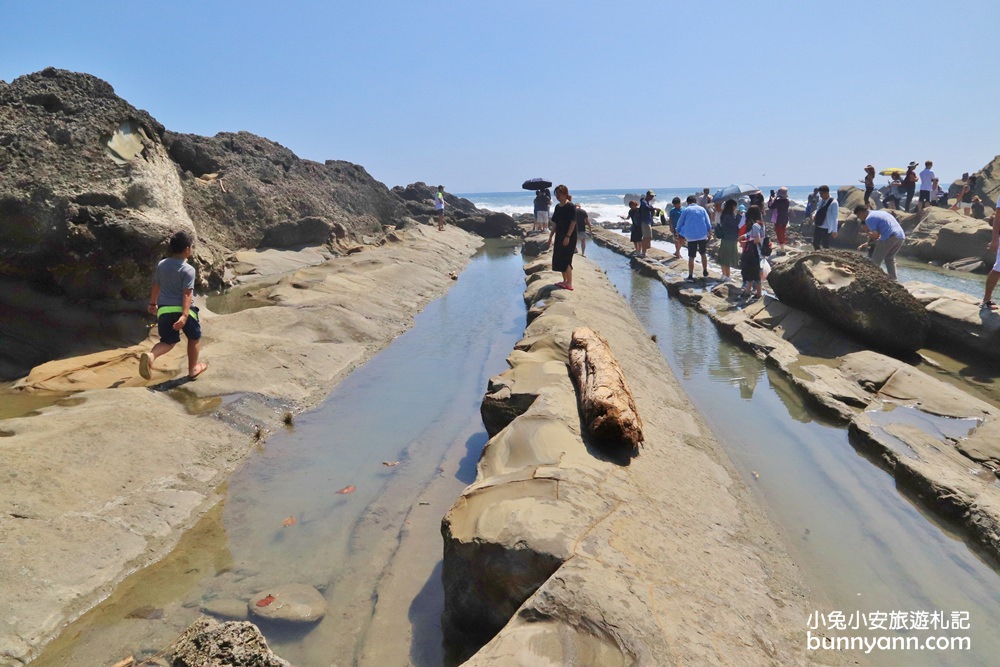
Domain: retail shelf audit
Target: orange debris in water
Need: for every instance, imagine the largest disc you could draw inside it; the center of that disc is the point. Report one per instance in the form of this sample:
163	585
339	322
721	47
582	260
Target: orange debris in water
348	489
290	521
263	602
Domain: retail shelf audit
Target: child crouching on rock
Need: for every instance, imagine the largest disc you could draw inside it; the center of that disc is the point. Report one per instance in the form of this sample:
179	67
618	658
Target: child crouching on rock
171	300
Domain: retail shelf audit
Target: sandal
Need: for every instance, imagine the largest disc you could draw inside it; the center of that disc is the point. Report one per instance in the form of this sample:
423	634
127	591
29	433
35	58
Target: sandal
560	285
987	305
198	370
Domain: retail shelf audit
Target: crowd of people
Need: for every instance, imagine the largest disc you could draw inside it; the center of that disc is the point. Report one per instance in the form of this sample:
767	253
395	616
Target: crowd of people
742	232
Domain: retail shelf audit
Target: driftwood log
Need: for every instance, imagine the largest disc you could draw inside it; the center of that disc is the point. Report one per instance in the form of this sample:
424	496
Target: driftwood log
606	403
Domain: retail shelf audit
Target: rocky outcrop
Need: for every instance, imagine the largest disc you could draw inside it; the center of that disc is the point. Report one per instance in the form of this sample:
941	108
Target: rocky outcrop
490	226
419	200
245	191
419	197
942	236
849	196
91	187
957	320
209	643
88	192
848	291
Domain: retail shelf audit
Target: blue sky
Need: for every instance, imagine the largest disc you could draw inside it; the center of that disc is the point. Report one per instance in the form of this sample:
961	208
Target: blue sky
482	95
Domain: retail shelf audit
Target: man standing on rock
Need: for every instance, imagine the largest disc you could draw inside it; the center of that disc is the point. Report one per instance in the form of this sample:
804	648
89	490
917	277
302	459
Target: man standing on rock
171	299
991	280
886	232
439	207
825	219
928	184
695	227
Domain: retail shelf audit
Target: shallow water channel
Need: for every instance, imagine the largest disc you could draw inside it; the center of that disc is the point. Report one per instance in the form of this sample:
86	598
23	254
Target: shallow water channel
415	403
375	552
862	545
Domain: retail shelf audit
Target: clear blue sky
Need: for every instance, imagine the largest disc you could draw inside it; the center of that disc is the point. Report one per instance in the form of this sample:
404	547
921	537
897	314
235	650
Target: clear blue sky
482	95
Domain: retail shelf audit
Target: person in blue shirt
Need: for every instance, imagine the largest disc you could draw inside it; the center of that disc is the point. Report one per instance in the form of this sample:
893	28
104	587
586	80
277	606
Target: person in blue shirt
888	235
695	227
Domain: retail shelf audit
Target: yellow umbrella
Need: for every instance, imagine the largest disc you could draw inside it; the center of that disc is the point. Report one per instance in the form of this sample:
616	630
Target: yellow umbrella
890	172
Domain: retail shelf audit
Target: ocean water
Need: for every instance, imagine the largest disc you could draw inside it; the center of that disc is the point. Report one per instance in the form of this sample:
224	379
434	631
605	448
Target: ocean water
609	205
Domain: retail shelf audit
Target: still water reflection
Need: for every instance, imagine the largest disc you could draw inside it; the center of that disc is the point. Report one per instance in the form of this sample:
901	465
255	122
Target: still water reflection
862	544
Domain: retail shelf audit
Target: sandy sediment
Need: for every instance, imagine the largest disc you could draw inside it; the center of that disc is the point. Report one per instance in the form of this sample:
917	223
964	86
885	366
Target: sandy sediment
104	483
573	556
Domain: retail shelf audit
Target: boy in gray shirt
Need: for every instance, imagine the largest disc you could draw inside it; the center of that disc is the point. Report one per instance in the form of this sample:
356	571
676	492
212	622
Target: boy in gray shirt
171	300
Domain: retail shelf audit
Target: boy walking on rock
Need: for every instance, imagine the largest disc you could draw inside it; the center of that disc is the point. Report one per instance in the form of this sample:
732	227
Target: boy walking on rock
171	300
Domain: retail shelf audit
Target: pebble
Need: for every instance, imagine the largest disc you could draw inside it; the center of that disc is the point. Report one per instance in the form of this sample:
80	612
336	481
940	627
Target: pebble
293	603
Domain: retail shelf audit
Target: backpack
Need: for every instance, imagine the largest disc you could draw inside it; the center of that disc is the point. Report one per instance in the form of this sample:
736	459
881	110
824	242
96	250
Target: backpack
765	246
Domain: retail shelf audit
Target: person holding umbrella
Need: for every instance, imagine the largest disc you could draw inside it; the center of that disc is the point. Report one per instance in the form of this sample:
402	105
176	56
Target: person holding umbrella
564	220
543	200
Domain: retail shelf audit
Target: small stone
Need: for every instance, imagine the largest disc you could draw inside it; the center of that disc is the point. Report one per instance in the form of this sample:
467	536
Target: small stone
292	603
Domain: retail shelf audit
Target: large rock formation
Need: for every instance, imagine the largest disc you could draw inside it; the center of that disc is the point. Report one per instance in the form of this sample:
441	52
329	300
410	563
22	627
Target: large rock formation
91	187
848	291
88	193
246	191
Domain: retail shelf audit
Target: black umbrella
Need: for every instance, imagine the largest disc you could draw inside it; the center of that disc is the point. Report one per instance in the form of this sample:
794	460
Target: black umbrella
536	184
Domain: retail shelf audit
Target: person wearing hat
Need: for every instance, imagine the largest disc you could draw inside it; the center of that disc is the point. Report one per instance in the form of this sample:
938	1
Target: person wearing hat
646	222
909	185
869	184
778	205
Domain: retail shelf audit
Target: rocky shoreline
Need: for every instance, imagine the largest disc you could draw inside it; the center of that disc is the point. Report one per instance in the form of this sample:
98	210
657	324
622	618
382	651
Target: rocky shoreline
560	553
936	439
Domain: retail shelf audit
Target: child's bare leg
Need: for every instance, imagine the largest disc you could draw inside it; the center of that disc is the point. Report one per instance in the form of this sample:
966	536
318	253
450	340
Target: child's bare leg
194	349
159	350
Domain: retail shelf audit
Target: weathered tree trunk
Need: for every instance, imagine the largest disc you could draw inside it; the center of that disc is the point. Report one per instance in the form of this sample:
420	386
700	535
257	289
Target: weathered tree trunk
606	402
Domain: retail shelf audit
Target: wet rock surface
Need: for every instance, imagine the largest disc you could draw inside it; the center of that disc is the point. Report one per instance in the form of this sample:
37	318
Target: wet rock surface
550	557
936	440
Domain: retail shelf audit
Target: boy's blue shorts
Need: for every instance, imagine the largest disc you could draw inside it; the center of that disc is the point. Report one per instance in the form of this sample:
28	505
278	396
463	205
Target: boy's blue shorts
165	327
